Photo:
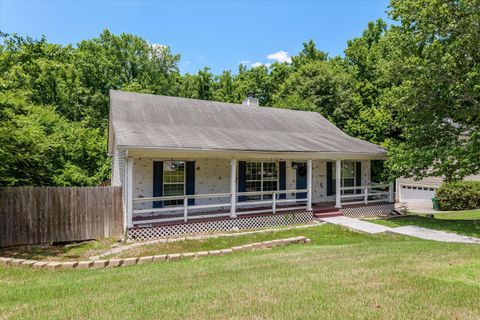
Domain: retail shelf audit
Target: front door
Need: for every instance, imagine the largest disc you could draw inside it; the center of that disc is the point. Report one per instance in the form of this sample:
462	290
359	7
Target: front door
301	179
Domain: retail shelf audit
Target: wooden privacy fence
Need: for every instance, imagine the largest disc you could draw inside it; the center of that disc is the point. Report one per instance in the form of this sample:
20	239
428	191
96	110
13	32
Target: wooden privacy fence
33	215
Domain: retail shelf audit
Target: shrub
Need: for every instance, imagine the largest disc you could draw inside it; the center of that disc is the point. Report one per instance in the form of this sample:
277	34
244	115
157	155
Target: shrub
462	195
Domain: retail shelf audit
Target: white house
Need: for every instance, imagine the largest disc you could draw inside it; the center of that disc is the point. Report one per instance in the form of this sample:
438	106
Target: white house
184	161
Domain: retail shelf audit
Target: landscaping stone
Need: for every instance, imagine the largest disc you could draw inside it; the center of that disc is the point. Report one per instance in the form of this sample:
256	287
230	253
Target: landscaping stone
146	259
29	263
201	254
17	262
129	262
97	264
84	264
161	257
226	251
39	265
115	262
188	255
132	261
53	265
268	244
5	260
69	265
174	256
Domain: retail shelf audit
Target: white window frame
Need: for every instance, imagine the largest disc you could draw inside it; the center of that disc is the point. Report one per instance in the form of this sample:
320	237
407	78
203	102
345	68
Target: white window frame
168	203
262	179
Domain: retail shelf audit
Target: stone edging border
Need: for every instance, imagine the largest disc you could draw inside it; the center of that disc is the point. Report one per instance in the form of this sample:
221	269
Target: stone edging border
127	247
100	264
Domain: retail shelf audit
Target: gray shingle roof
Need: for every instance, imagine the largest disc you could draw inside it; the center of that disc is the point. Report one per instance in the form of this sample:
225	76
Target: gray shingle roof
150	121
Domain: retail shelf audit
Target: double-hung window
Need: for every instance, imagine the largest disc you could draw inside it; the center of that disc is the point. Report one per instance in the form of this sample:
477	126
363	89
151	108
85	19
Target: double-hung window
348	176
173	181
261	176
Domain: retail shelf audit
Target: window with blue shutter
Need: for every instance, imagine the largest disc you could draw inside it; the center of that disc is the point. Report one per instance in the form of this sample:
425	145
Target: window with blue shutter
158	182
282	183
190	181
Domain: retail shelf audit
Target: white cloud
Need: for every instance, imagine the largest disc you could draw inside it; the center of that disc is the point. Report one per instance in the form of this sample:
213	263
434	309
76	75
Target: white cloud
280	56
259	64
244	62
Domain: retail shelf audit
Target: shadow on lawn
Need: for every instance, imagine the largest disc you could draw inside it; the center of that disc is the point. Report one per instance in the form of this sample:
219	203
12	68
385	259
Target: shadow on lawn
74	251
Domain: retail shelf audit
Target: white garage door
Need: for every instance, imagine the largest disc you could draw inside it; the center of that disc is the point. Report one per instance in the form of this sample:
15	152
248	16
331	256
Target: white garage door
416	193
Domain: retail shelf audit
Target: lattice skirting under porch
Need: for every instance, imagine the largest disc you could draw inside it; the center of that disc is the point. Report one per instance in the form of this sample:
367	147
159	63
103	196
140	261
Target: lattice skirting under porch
383	209
267	221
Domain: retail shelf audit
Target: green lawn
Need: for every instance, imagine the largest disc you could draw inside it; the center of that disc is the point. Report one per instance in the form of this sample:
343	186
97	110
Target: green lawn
462	222
228	242
341	274
459	215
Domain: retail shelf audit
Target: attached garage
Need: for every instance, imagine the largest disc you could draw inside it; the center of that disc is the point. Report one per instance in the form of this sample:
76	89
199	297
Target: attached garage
410	190
416	193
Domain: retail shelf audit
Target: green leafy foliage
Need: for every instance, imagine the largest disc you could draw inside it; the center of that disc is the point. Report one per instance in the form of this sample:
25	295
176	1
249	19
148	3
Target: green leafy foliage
411	87
459	195
54	103
435	74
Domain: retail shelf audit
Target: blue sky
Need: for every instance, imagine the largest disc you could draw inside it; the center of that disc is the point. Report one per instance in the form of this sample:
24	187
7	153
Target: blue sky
218	34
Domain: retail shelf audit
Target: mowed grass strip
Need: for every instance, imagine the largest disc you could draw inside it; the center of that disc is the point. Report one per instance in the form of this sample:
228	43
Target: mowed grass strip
232	241
341	275
450	222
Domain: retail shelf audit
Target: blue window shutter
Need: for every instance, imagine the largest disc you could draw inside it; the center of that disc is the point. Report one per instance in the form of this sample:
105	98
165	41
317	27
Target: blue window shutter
329	179
190	181
158	182
282	184
242	179
358	175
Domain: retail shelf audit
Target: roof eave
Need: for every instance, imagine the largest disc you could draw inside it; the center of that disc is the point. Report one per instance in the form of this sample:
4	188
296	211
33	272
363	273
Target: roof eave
255	153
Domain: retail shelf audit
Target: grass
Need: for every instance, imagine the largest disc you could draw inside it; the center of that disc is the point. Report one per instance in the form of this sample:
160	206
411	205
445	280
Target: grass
341	274
227	242
459	215
461	222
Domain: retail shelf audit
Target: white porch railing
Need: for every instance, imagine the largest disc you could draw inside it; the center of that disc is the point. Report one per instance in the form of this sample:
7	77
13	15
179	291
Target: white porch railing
369	194
187	209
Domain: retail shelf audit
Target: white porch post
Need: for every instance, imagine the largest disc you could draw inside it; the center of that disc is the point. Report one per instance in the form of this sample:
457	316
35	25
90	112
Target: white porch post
129	187
390	192
233	187
338	183
309	185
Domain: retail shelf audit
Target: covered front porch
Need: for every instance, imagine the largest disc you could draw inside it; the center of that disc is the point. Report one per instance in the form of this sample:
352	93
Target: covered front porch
174	189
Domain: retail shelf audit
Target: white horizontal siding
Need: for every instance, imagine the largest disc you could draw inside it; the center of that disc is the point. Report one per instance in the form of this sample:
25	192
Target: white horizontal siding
118	167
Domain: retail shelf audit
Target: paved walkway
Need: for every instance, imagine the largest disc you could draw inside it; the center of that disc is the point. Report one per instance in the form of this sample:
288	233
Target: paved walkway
413	231
357	224
436	235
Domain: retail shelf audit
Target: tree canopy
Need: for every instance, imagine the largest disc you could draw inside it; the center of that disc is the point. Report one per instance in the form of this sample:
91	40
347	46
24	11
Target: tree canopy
412	87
